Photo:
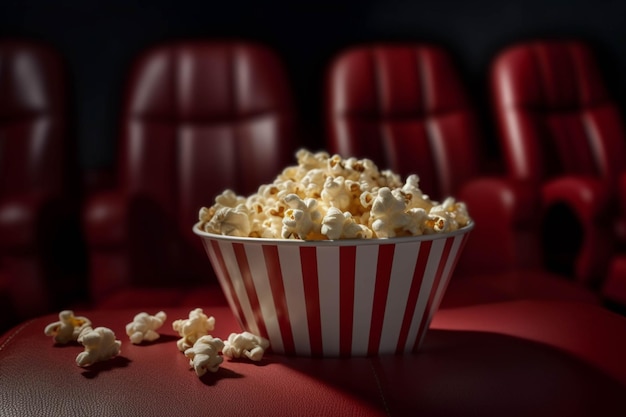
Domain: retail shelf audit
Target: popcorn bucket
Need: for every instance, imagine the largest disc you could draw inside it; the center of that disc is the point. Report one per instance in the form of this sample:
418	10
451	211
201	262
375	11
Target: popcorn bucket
336	298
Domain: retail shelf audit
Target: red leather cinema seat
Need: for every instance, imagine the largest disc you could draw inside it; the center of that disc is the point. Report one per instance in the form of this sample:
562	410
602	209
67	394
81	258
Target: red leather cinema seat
522	358
198	117
36	167
404	106
561	129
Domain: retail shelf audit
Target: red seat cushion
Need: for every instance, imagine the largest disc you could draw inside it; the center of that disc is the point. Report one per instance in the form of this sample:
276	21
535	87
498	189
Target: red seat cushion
521	358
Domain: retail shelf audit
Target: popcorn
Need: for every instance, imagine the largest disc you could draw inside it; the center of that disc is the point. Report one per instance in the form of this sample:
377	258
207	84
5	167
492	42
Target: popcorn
417	220
204	354
197	325
68	328
413	196
313	182
230	221
387	214
202	349
338	225
144	327
300	220
336	194
100	345
230	199
449	214
245	344
329	197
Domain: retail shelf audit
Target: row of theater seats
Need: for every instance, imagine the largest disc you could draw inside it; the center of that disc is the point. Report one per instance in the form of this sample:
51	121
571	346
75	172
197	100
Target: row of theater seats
39	223
199	117
547	226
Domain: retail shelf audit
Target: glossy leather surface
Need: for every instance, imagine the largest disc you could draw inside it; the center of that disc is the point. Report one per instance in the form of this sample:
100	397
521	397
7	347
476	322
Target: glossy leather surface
36	160
518	358
404	106
555	113
560	128
198	117
614	288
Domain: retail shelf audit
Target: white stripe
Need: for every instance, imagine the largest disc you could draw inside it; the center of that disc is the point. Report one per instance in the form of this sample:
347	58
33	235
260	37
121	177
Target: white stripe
221	277
364	284
289	257
404	260
258	269
447	273
443	283
230	260
328	281
427	282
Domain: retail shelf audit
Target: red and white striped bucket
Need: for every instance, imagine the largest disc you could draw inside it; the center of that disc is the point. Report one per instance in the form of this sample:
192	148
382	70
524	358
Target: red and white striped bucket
336	298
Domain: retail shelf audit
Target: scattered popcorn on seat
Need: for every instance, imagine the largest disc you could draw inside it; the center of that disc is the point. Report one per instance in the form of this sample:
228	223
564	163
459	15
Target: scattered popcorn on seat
246	345
68	328
197	325
144	327
100	345
204	355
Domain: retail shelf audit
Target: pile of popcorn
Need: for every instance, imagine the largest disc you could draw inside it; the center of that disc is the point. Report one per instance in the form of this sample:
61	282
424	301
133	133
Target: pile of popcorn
204	351
329	197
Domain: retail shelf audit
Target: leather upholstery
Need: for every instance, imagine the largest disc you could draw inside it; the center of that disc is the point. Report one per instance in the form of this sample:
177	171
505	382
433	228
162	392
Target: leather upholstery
555	113
560	128
404	106
614	288
198	117
36	168
517	358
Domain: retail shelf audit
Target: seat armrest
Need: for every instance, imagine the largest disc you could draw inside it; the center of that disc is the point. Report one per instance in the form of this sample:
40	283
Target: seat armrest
621	191
104	219
589	198
505	212
514	201
591	233
23	216
620	222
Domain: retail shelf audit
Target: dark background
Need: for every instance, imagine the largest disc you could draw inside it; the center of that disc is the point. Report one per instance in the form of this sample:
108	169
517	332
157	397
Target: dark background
99	39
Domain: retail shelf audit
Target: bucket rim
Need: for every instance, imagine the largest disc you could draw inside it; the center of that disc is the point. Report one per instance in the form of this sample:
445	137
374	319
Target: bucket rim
332	243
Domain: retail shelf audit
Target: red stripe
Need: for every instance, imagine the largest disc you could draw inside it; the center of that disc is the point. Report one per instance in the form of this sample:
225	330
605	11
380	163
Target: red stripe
381	288
248	283
347	265
418	277
275	277
226	280
308	258
442	263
